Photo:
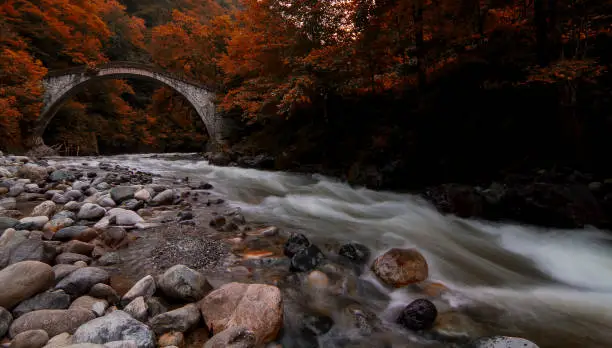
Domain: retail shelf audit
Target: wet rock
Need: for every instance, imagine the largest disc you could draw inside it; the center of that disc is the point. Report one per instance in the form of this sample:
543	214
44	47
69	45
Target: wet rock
53	321
7	222
295	243
143	195
91	211
23	280
217	222
116	326
5	321
9	213
121	344
80	186
33	172
71	258
82	233
169	339
125	217
8	203
145	287
255	306
316	325
164	197
364	321
184	215
78	247
59	199
233	337
106	202
61	176
61	271
137	309
181	320
504	342
183	283
32	188
57	224
73	195
105	292
30	339
306	259
122	193
401	267
60	341
355	252
108	259
30	250
16	190
418	315
317	280
113	235
44	300
132	204
32	223
73	206
81	280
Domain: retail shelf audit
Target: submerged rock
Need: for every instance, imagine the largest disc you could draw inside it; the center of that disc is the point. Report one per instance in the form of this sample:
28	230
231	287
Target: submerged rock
295	243
355	252
418	315
401	267
306	259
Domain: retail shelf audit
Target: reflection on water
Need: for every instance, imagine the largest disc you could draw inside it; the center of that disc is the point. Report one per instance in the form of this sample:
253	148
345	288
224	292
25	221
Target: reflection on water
551	286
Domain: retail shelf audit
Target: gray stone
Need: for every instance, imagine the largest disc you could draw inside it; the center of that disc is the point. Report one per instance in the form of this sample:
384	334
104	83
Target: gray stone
54	321
23	280
107	202
33	172
183	283
93	304
32	223
73	206
233	337
122	193
116	326
138	309
81	280
124	217
73	195
7	222
164	197
59	341
145	287
132	204
103	186
5	321
121	344
29	250
61	175
16	190
8	203
59	199
61	271
32	188
73	232
44	300
143	195
91	211
64	214
30	339
104	291
80	186
181	319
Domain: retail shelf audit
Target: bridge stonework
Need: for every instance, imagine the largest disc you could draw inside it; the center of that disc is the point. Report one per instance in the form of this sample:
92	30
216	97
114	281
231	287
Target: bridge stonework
60	86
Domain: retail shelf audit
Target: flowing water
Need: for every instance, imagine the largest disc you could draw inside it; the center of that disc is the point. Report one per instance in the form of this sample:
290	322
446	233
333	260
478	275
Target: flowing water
551	286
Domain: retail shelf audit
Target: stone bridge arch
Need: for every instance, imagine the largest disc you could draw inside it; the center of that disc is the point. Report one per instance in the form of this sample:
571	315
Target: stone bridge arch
61	85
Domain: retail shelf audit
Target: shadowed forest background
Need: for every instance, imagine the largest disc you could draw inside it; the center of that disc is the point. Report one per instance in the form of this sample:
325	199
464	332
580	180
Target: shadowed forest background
388	93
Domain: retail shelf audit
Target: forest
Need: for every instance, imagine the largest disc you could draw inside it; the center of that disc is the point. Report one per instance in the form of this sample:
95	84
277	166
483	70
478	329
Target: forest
384	93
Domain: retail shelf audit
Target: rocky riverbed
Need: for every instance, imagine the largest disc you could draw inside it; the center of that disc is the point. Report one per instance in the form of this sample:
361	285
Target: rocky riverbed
110	256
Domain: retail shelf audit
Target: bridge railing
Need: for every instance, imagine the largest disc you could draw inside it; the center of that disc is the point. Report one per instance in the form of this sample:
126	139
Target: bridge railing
85	69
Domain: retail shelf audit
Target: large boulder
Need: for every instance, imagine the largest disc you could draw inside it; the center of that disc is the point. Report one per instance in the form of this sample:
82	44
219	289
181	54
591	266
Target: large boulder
401	267
81	280
122	193
183	283
54	321
181	320
116	326
257	307
23	280
90	211
44	300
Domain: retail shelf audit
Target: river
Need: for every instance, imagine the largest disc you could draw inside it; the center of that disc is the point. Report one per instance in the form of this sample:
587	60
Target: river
553	287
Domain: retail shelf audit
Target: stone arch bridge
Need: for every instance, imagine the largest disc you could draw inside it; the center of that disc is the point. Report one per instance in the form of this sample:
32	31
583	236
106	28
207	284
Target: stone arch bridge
60	85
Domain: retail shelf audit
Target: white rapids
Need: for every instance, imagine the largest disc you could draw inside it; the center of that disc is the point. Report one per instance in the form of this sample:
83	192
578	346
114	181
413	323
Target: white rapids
551	286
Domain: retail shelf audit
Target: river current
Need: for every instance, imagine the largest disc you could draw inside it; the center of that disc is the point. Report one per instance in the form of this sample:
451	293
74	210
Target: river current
553	287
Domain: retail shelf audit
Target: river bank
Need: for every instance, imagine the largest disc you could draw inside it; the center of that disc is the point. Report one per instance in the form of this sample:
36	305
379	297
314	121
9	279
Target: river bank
327	287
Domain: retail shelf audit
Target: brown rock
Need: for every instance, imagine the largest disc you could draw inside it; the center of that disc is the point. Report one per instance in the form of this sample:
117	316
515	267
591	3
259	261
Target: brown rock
172	339
23	280
78	247
401	267
30	339
53	321
257	307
